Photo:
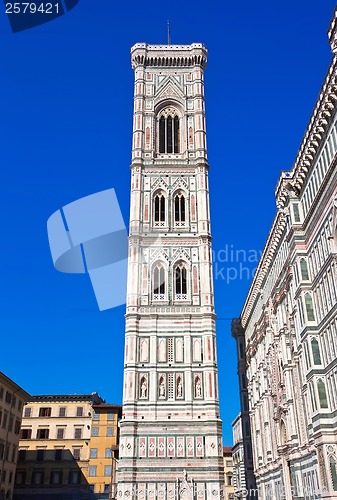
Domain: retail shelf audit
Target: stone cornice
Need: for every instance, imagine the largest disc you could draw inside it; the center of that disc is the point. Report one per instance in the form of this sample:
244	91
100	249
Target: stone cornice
314	136
265	264
143	54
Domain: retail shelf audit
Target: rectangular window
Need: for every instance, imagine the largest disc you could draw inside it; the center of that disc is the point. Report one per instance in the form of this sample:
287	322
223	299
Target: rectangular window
60	433
45	412
4	420
62	411
94	431
96	416
107	470
8	397
56	477
28	412
77	453
17	426
92	470
58	454
110	431
20	478
26	433
74	477
108	452
22	455
40	455
93	452
42	434
38	477
78	433
1	392
107	488
79	411
110	416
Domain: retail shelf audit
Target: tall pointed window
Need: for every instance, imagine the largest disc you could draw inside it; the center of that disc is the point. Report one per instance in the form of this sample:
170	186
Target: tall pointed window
304	269
309	307
316	352
169	132
179	210
323	400
180	282
159	288
159	210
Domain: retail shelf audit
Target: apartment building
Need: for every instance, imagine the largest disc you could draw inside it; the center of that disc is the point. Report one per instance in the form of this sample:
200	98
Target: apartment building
58	436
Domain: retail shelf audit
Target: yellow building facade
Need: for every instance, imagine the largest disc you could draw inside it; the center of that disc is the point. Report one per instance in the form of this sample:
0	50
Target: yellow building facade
104	449
56	450
228	472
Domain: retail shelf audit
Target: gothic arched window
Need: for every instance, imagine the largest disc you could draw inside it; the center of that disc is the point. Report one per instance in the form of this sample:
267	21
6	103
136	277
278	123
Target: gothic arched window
316	352
309	307
169	132
159	288
304	269
323	400
180	282
179	208
159	209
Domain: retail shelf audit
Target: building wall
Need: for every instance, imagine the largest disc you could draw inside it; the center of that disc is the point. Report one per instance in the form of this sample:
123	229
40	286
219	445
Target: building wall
57	436
12	399
289	320
228	473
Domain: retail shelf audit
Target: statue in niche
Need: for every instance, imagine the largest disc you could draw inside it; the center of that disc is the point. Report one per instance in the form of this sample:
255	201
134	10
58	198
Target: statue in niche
143	388
179	388
162	390
197	390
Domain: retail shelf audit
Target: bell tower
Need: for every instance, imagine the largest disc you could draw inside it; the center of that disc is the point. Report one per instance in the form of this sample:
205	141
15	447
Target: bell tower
170	433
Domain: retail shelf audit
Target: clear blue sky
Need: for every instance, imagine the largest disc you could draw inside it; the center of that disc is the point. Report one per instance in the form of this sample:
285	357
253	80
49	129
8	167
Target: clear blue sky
66	119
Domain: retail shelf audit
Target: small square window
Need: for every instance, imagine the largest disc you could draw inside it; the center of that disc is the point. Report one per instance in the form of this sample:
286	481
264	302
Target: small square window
28	412
74	477
107	470
78	433
92	470
45	412
60	433
42	434
62	411
26	433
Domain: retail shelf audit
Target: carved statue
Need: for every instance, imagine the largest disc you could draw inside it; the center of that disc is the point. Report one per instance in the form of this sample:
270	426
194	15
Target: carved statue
143	389
197	388
179	388
162	388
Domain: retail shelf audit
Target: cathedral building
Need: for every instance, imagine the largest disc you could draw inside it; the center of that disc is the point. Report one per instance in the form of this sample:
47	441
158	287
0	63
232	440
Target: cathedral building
289	320
170	432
